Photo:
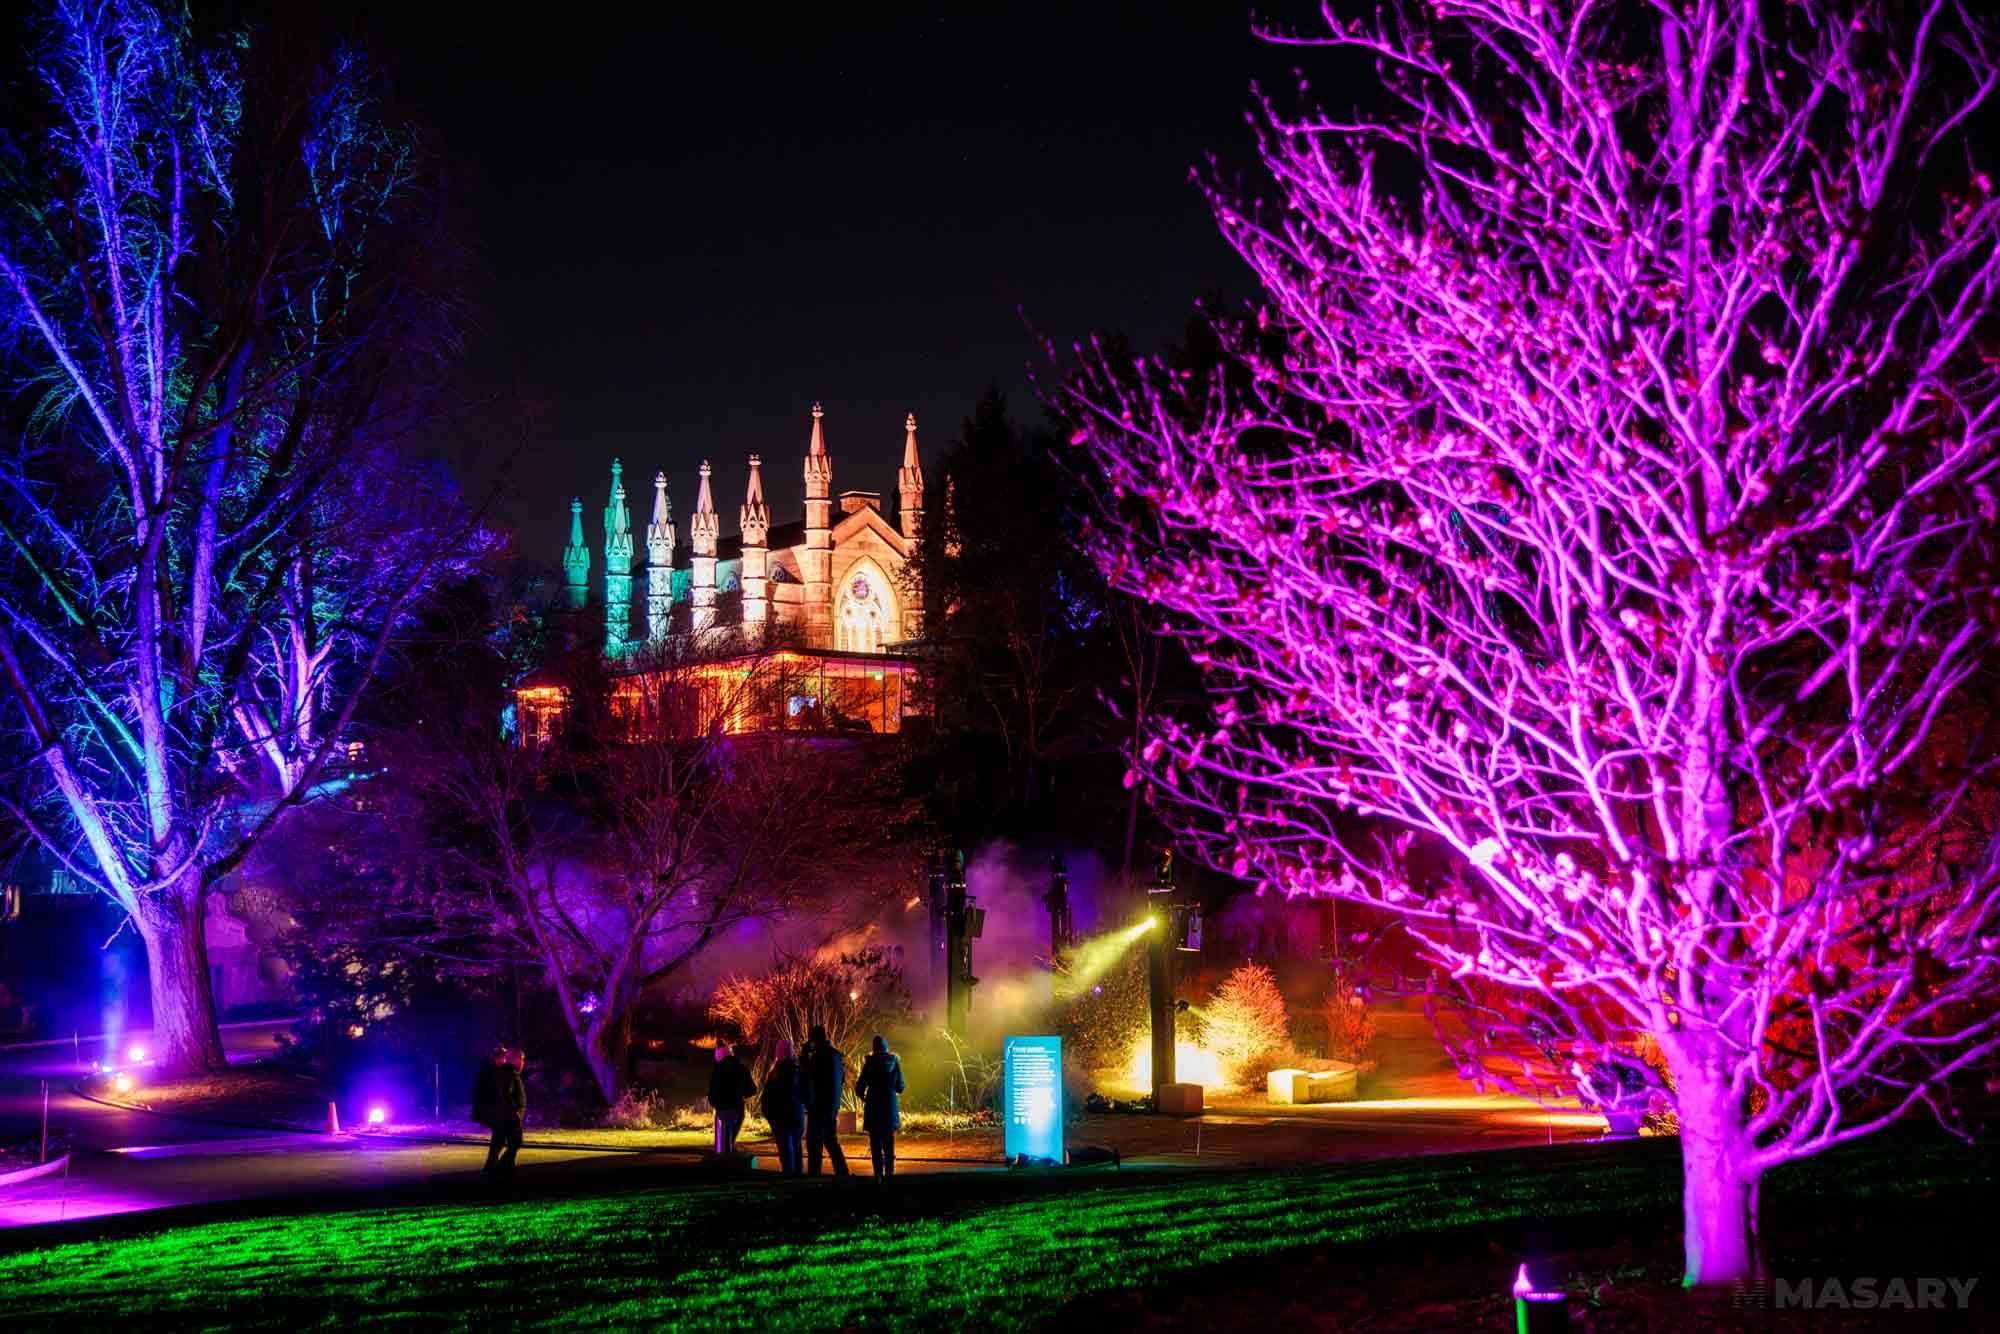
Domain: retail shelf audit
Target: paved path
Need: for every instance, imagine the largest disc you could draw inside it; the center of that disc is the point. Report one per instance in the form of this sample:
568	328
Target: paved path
61	1063
124	1160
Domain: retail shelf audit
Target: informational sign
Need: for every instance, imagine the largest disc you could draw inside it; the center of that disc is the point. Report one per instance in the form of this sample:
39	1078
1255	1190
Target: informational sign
1031	1092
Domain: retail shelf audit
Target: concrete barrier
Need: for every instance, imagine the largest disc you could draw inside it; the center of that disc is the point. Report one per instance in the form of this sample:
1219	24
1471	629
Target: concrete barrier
49	1168
1287	1087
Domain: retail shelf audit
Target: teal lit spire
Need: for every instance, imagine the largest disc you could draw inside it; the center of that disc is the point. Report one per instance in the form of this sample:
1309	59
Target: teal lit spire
617	565
576	559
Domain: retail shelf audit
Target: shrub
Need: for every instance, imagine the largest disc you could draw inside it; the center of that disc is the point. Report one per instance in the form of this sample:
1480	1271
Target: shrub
636	1109
1246	1024
972	1079
852	996
1350	1029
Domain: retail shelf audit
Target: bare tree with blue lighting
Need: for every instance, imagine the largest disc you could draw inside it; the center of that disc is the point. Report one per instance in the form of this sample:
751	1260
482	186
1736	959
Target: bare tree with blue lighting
220	315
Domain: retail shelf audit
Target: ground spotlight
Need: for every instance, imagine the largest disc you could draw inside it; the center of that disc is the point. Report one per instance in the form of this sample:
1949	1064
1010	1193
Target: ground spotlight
1538	1309
122	1083
377	1115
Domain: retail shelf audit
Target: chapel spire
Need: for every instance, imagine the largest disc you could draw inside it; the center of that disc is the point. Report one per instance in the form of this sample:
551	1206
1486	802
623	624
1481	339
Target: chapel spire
576	559
816	561
617	565
659	562
819	464
703	529
910	480
755	522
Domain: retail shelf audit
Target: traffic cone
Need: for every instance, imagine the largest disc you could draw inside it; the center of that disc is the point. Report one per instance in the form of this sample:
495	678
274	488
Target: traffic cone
332	1118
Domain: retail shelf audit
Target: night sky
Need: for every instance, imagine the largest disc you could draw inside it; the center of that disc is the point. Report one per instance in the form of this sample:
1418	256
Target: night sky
692	228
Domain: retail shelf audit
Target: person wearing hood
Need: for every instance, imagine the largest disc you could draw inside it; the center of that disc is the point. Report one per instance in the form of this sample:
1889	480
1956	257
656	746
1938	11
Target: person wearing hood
880	1088
784	1105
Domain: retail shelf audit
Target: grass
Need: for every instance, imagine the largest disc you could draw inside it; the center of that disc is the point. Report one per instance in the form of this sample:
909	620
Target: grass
945	1251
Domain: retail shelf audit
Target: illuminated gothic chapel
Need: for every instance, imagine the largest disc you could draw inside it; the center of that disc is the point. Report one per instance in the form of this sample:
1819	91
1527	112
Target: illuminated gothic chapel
834	578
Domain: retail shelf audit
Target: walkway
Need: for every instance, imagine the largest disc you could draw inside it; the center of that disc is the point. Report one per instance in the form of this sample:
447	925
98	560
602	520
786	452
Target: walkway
124	1160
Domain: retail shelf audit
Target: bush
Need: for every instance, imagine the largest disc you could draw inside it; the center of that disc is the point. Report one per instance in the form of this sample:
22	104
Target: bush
636	1109
1350	1029
948	1122
1247	1027
972	1079
852	996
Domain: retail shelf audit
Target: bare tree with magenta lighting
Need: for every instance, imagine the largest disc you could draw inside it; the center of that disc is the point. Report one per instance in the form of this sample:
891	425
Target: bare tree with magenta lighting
1592	550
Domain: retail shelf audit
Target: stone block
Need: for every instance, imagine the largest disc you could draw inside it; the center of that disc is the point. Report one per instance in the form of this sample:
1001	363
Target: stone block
1302	1086
1287	1086
1180	1100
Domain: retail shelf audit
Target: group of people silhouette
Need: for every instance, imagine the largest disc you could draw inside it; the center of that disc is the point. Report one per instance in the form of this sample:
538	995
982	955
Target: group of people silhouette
801	1103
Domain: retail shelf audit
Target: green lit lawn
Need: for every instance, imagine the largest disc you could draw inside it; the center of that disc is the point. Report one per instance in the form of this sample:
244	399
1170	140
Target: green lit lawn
938	1251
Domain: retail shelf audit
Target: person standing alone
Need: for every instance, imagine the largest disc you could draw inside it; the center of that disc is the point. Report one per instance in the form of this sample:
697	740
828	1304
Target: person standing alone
880	1088
500	1103
785	1092
826	1075
729	1086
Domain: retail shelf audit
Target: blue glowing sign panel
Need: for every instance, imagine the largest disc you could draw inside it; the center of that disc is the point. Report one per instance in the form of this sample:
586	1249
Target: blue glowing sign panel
1031	1093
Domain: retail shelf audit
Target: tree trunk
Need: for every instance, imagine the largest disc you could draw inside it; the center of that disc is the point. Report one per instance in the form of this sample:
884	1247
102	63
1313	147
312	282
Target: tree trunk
186	1040
1718	1189
605	1047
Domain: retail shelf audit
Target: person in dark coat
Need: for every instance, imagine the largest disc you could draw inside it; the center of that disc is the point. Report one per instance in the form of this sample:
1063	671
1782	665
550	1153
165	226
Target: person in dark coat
785	1108
826	1080
729	1087
880	1088
500	1102
486	1089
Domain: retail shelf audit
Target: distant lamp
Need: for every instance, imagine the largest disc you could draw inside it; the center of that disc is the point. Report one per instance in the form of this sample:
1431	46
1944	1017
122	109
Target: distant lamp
122	1083
135	1054
377	1115
1538	1310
